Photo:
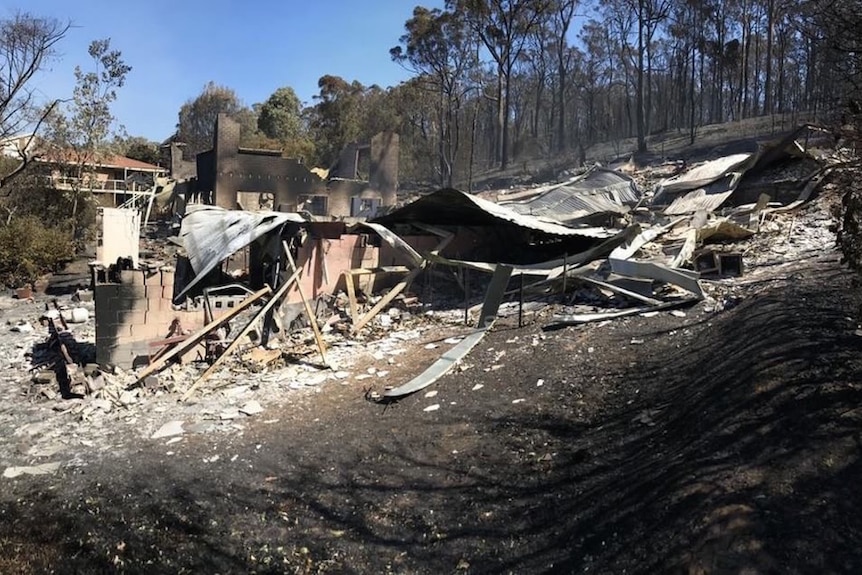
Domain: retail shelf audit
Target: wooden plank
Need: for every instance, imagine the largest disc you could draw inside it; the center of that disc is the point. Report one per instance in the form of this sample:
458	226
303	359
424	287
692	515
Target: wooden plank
380	270
351	293
308	311
276	297
446	238
196	337
164	345
385	300
167	341
322	260
350	283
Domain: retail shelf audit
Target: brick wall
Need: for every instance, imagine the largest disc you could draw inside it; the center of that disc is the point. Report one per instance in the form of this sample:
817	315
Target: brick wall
350	251
134	312
181	168
227	170
340	192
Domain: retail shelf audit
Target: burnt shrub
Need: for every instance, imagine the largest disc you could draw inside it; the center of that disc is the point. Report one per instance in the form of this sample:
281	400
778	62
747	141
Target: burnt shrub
29	249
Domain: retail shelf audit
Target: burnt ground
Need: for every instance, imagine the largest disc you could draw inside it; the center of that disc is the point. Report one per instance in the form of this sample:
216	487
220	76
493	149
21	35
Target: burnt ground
724	443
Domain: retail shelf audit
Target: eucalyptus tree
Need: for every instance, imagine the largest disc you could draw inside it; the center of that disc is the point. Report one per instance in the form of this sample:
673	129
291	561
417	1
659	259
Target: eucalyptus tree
436	46
503	26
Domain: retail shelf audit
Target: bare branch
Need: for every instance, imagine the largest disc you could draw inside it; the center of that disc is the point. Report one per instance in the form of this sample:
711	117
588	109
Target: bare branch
27	158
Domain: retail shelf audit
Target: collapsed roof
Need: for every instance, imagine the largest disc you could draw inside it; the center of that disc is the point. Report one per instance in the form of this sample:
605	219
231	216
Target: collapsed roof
450	207
709	185
210	234
597	191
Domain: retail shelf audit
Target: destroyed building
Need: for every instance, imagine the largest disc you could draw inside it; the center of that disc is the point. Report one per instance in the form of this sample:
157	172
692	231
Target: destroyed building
631	251
233	177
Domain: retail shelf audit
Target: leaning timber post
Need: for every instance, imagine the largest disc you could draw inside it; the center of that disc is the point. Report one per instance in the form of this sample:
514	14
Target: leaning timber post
565	274
521	303
466	273
430	285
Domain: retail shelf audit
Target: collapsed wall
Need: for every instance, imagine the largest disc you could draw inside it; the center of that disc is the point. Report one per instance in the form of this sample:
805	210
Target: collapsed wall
133	308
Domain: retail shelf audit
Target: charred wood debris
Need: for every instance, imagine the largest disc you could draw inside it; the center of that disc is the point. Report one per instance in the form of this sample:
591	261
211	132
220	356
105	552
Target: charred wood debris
438	273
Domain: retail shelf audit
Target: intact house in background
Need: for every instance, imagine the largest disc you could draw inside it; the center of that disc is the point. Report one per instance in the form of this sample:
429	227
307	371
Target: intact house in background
113	179
234	177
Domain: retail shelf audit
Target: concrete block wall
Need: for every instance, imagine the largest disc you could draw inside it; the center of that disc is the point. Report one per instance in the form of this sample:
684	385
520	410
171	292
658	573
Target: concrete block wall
135	312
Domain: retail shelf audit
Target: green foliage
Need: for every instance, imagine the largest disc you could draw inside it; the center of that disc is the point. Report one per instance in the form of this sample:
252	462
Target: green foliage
79	131
348	112
198	115
140	149
280	117
336	118
435	44
437	47
29	249
84	125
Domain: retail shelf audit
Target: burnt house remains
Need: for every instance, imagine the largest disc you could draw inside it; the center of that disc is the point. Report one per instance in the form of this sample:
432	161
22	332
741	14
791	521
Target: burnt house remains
234	177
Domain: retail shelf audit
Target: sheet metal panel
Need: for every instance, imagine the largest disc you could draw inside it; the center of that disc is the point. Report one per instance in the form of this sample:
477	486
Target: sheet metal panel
706	173
493	298
598	191
454	207
210	234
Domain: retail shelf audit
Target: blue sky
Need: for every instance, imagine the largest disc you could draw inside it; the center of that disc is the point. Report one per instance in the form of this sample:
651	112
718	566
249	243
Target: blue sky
254	47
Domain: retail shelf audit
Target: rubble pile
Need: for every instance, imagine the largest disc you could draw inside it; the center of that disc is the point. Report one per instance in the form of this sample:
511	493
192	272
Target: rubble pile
103	412
599	249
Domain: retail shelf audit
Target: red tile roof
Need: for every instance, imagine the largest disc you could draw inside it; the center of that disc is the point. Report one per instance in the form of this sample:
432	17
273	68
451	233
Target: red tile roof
109	161
117	161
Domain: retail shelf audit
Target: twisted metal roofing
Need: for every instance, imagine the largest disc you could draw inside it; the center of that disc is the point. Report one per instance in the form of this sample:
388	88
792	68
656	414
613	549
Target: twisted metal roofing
599	190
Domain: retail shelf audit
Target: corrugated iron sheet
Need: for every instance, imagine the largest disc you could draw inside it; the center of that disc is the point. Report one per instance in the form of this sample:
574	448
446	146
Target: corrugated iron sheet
696	201
705	174
598	191
454	207
210	234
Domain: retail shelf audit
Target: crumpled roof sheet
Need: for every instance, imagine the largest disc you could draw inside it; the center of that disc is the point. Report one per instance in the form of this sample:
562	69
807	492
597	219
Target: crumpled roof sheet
456	208
397	243
210	234
599	190
704	174
696	201
708	185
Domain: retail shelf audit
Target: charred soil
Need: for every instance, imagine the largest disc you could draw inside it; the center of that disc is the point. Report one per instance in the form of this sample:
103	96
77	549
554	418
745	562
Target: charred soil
711	443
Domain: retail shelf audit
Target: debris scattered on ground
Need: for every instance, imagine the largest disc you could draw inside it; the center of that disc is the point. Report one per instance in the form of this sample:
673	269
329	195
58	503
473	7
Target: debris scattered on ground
169	429
40	469
253	407
668	249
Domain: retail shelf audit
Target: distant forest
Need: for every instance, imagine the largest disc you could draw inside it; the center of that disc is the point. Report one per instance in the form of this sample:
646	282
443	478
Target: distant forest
500	81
